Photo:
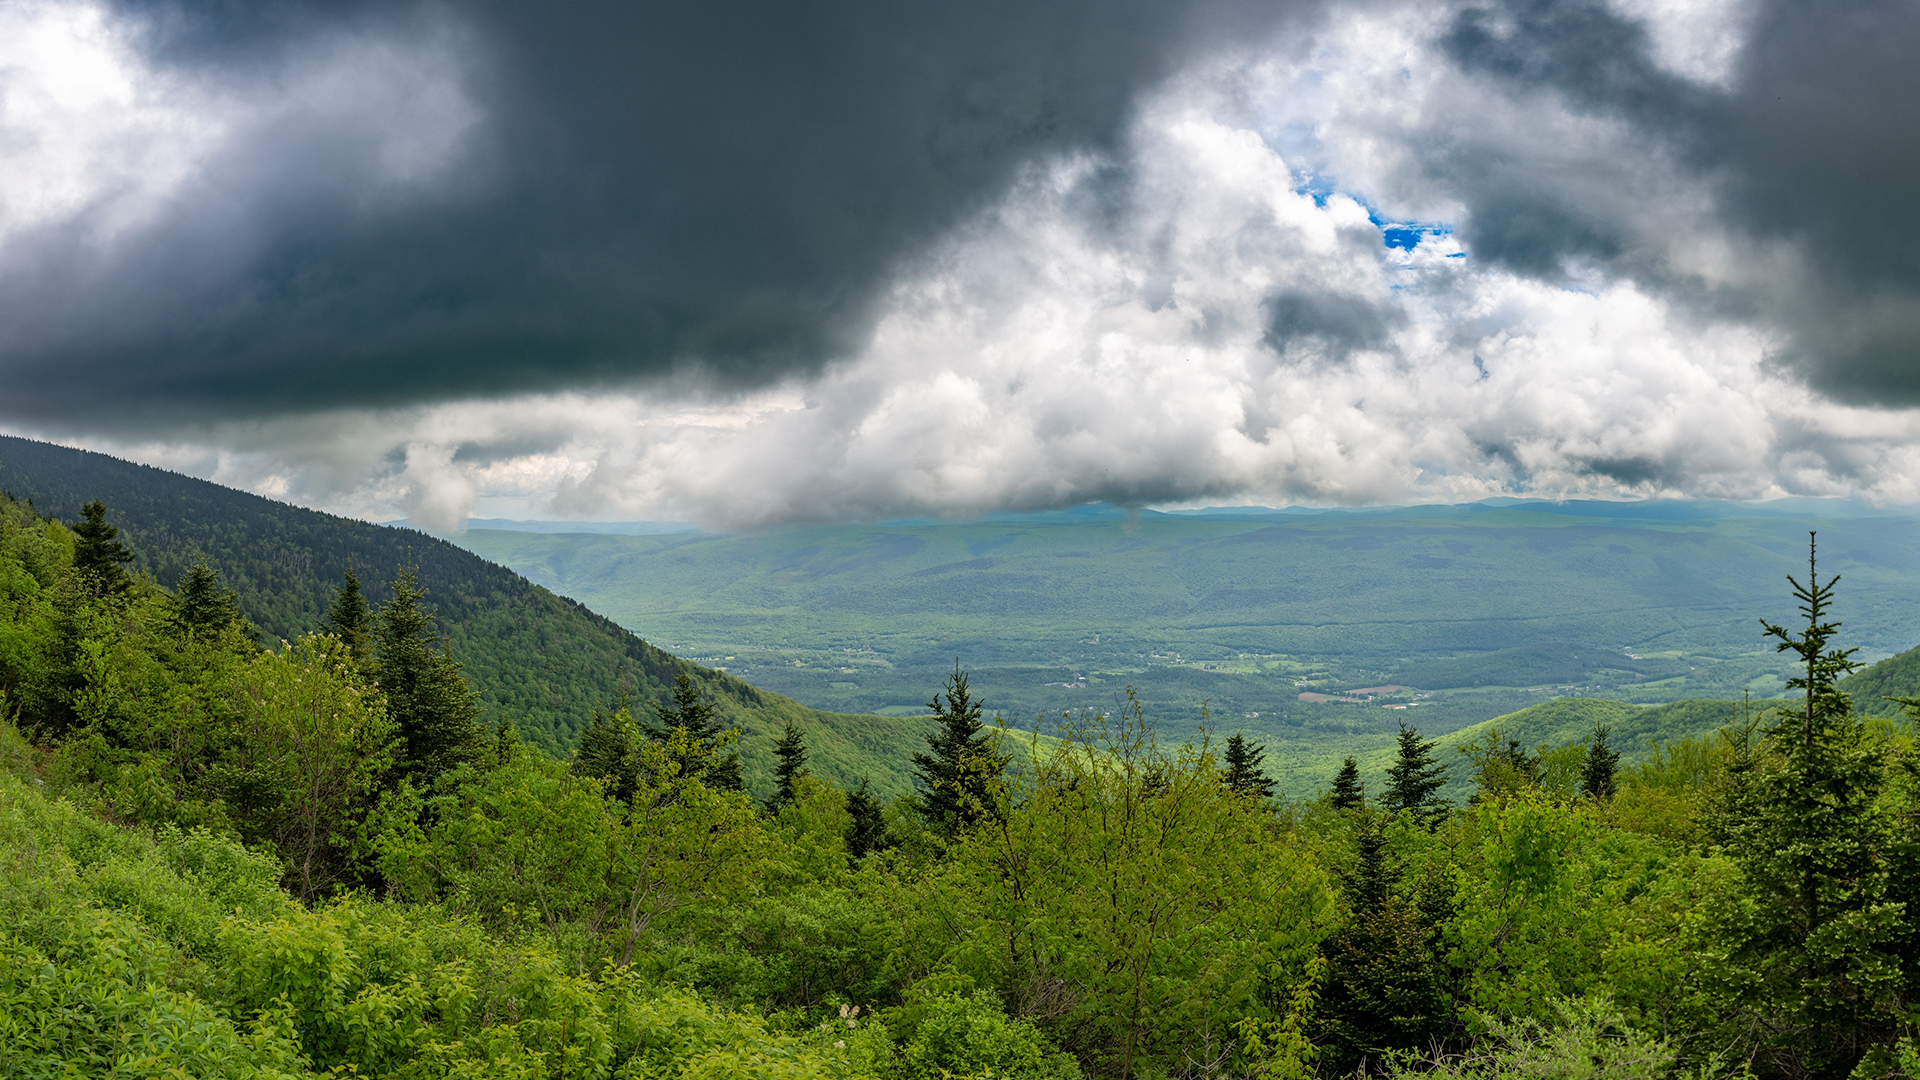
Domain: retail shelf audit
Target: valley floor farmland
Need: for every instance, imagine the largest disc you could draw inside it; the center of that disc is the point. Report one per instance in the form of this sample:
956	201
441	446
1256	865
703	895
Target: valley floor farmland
1481	609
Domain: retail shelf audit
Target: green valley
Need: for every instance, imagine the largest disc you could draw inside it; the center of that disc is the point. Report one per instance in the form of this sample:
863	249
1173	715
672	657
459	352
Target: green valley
1440	616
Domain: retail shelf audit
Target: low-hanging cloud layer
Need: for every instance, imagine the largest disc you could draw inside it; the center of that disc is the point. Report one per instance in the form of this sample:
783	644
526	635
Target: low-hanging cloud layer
771	263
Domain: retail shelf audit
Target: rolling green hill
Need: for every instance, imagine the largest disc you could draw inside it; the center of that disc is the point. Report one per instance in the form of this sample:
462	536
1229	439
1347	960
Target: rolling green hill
1896	676
1632	728
545	662
1560	722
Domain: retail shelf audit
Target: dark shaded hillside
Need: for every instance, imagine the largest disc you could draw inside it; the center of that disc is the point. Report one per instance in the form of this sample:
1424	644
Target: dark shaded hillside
541	660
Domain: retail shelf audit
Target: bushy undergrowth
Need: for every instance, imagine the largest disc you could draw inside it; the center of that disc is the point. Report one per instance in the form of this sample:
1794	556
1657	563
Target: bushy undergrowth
178	955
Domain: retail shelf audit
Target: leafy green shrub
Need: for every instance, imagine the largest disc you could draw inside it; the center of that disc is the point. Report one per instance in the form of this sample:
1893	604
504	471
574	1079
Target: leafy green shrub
390	990
964	1037
793	951
90	982
16	754
529	842
669	1032
97	1002
1587	1039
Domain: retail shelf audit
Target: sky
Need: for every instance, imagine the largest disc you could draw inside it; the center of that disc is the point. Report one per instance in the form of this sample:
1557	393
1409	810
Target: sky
748	263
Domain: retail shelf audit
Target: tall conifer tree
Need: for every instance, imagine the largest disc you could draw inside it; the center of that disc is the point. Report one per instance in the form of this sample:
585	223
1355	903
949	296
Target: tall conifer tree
957	772
98	553
201	607
1816	953
1244	772
1596	774
692	712
790	761
436	712
607	752
1347	791
1414	780
1385	989
867	829
349	618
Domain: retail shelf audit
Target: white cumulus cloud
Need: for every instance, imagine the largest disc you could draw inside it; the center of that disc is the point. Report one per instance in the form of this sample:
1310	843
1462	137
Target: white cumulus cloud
1210	313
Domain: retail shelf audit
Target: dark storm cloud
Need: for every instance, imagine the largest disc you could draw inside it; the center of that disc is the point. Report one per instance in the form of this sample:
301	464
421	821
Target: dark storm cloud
1815	144
1328	323
724	184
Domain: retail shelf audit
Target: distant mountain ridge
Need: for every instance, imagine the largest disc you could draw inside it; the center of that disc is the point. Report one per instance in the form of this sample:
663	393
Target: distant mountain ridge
543	661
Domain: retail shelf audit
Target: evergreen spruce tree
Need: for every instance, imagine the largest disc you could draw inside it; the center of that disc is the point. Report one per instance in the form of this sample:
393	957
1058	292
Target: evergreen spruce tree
1815	955
1596	775
1415	778
957	772
436	712
790	761
1244	772
1386	986
98	554
201	608
348	617
506	742
691	710
867	831
608	753
694	713
1347	793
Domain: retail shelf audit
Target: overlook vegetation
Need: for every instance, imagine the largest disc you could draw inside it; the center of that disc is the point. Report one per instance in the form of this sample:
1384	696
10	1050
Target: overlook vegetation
539	661
318	858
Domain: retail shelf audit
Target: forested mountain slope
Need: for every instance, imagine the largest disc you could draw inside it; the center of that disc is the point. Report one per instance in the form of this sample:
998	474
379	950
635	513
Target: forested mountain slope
1896	676
541	660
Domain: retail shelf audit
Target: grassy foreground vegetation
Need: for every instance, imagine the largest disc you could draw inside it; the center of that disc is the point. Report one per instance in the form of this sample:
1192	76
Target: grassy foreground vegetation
223	860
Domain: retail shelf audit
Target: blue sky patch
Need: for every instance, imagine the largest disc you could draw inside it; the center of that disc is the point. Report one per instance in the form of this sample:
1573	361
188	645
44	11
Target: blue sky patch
1406	235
